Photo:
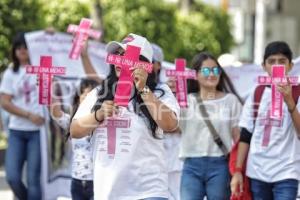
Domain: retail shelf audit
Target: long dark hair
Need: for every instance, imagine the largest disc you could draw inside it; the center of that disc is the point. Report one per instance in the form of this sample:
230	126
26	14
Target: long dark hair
84	84
107	91
18	41
224	85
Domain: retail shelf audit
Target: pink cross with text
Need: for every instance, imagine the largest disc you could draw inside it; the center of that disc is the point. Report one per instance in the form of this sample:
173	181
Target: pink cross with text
82	32
45	72
278	76
128	62
26	91
268	123
182	75
112	124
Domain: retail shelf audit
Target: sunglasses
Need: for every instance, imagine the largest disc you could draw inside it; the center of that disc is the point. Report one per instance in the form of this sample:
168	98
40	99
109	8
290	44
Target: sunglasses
119	53
205	71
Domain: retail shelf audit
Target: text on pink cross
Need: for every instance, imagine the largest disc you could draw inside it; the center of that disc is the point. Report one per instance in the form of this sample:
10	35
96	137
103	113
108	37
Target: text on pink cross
181	75
45	72
112	124
278	76
128	62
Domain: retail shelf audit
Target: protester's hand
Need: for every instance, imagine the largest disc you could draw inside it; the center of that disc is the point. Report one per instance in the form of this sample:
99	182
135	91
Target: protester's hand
36	119
84	50
172	84
286	91
236	184
140	78
108	109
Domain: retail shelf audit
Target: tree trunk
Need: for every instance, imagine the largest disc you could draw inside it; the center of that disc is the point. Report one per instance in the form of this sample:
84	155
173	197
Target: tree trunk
185	6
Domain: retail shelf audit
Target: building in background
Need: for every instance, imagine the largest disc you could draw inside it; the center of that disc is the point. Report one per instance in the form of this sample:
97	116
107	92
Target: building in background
258	22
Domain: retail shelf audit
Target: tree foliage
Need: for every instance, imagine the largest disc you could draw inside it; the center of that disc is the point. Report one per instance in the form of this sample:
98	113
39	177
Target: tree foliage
61	13
17	16
203	28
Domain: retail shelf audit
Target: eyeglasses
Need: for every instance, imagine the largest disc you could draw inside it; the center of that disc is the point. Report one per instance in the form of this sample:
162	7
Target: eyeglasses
119	53
205	71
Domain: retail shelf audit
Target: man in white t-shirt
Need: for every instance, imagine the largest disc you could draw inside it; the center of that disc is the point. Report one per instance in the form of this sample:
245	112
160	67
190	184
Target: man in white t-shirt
273	163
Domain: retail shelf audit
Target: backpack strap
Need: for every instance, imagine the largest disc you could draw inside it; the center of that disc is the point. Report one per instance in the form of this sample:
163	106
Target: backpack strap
296	93
259	90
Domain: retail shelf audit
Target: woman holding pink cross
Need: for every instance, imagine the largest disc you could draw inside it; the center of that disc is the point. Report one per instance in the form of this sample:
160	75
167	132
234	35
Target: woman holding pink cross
129	156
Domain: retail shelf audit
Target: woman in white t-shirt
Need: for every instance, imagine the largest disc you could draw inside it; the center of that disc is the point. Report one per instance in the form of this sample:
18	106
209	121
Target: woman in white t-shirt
19	97
205	171
129	160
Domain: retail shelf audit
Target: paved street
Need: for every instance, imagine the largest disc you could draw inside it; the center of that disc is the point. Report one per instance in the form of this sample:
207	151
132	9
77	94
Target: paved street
5	192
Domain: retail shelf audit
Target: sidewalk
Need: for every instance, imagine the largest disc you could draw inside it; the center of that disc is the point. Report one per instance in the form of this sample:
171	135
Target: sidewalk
5	192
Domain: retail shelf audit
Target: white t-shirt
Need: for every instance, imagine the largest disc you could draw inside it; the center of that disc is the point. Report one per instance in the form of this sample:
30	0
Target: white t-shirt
197	141
172	144
82	162
133	166
279	158
24	90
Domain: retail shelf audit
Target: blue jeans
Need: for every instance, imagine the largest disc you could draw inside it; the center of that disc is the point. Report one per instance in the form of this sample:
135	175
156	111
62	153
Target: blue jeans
24	146
156	198
281	190
82	190
205	176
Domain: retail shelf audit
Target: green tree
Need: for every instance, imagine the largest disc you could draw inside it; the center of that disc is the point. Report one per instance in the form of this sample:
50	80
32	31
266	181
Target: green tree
153	19
17	16
181	35
204	28
61	13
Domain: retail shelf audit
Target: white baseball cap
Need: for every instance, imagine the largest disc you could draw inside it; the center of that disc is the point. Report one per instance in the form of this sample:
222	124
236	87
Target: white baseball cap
133	40
158	54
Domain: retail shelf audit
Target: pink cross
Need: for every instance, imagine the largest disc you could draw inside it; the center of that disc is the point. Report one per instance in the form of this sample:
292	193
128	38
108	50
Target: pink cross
26	91
45	72
182	75
128	62
82	32
268	122
278	76
112	125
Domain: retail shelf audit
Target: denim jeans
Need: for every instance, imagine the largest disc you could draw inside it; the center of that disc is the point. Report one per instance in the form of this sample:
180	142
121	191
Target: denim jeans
205	176
24	146
156	198
82	190
281	190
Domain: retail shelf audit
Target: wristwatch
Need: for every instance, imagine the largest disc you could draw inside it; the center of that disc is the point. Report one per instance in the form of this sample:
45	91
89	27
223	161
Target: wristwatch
144	91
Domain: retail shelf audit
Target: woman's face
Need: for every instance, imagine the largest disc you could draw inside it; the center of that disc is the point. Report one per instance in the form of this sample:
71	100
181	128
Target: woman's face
22	54
209	74
84	93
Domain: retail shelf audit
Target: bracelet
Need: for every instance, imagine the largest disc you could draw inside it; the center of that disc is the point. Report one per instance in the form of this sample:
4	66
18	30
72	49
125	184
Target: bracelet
96	117
144	91
238	169
292	110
